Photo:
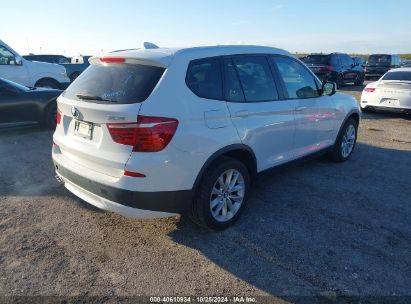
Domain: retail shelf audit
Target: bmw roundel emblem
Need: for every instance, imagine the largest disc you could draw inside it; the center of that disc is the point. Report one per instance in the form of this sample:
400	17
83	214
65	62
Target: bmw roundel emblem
74	112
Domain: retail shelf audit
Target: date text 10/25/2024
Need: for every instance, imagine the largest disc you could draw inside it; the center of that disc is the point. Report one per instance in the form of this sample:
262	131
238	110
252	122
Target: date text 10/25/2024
200	299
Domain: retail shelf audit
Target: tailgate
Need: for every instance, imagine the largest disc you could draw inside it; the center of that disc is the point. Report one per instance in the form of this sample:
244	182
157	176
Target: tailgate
110	91
96	150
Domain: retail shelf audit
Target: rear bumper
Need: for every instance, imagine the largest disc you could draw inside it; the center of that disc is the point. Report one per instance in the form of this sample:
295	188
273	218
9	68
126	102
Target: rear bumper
387	109
134	204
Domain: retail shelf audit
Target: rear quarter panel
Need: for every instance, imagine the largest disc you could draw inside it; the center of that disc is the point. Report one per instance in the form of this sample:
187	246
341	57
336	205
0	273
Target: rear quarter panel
204	125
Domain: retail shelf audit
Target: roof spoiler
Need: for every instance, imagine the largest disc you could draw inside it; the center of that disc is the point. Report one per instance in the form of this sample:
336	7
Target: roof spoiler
150	46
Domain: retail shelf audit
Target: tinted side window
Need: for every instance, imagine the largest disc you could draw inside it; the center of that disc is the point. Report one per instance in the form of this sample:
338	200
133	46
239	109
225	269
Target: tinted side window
232	88
256	78
62	60
6	57
299	83
204	78
335	60
348	60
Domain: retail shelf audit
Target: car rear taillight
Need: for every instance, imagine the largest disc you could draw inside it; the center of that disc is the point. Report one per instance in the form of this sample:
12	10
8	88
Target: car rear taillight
58	116
148	134
134	174
113	60
369	90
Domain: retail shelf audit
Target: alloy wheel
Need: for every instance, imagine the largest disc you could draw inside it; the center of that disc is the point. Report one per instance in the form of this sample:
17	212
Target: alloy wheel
227	195
348	141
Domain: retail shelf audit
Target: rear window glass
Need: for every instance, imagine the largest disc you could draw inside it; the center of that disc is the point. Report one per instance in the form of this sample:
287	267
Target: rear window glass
379	59
400	76
204	78
115	83
317	59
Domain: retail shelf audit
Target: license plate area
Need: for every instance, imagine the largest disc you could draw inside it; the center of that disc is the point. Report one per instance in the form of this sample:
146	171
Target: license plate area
83	129
391	102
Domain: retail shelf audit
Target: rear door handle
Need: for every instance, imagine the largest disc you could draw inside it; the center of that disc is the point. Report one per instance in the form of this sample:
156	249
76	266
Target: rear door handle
299	109
242	113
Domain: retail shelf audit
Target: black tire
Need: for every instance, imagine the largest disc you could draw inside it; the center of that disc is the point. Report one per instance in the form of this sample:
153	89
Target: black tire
201	212
49	116
360	80
337	154
366	110
48	83
340	81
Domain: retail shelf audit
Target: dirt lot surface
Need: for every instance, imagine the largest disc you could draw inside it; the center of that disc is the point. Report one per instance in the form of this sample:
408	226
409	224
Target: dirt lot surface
312	228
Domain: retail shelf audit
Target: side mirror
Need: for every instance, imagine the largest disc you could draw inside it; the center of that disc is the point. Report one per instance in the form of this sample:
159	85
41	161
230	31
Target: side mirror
329	88
18	60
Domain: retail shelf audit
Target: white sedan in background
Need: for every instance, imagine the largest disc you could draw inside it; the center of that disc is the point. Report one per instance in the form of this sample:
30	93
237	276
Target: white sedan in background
392	92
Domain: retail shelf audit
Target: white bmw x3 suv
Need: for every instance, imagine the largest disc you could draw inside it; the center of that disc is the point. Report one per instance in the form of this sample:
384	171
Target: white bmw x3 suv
156	132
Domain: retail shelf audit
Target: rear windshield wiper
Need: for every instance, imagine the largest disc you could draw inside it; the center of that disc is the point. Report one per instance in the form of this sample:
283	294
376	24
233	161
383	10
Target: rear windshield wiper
96	98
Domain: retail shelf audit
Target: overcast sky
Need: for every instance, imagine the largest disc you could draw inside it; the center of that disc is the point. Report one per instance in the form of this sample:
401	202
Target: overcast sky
89	27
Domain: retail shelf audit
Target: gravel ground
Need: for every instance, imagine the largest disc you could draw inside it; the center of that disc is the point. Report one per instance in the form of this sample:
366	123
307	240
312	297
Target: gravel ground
310	229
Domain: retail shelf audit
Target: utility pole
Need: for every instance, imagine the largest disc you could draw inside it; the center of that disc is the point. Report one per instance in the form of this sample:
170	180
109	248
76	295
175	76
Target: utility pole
28	46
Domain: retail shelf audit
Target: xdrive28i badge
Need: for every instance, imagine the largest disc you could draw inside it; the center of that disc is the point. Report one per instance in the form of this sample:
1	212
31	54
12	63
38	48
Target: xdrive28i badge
75	112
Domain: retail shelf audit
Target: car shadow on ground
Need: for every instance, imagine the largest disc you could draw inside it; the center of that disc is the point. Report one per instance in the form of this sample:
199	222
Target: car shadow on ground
29	170
376	115
319	228
310	228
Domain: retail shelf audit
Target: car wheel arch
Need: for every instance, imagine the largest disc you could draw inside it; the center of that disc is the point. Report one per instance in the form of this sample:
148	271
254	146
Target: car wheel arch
240	152
354	115
45	112
49	80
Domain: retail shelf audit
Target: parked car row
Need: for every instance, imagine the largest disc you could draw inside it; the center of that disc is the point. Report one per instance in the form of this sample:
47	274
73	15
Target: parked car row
337	67
74	66
50	71
343	69
30	73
